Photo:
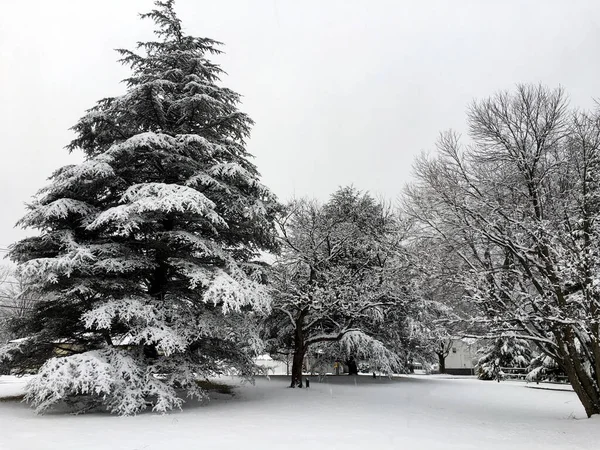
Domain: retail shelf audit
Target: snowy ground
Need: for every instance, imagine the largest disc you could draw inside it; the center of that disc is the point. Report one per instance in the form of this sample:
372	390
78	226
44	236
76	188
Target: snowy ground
420	412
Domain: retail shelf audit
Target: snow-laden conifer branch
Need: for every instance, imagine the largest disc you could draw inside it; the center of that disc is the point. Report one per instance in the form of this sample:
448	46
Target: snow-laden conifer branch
155	197
57	209
99	374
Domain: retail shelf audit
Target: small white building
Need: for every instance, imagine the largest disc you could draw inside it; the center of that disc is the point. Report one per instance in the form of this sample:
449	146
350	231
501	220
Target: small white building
462	357
272	366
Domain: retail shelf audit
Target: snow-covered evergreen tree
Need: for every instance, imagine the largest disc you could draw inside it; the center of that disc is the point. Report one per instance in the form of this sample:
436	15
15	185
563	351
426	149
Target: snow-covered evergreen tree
150	241
543	367
505	351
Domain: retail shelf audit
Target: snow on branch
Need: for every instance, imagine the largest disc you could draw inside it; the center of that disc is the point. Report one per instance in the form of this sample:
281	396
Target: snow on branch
49	269
87	373
93	169
128	309
202	246
147	139
368	348
230	169
204	179
209	147
155	197
122	264
121	216
169	198
58	209
199	276
233	293
167	339
8	351
147	325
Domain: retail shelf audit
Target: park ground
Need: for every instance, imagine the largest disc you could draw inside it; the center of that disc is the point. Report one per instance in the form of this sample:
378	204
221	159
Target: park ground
420	412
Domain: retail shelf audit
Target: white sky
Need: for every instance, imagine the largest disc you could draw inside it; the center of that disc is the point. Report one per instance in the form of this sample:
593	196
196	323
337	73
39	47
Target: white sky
341	91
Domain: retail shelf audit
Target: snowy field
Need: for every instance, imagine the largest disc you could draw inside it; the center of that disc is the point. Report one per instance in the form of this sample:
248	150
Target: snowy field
418	412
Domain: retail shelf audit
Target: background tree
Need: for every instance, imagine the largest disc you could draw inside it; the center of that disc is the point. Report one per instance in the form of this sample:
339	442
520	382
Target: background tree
16	300
519	206
151	238
439	309
335	279
442	350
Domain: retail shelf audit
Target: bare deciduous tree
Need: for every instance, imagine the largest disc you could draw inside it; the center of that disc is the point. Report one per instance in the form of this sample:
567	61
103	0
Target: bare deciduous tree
521	207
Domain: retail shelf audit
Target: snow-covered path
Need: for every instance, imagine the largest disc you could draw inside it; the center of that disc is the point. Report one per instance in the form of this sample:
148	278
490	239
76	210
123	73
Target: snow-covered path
342	413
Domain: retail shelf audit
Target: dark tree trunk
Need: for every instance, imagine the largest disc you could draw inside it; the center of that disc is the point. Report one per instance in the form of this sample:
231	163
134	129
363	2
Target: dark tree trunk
571	363
352	367
299	351
442	361
297	368
591	403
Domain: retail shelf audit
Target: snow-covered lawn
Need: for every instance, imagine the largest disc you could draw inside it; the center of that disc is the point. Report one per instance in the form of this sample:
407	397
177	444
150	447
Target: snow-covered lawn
419	412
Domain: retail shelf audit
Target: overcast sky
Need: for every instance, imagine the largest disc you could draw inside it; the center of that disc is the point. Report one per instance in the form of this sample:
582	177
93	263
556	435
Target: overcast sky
341	91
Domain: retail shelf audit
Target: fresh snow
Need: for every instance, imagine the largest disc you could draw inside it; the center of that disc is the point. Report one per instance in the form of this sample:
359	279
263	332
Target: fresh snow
421	412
